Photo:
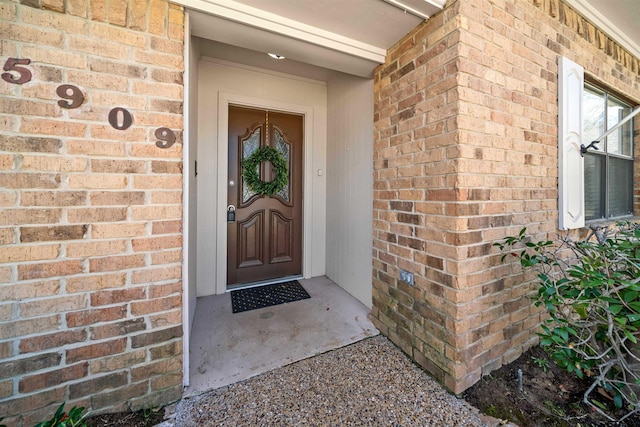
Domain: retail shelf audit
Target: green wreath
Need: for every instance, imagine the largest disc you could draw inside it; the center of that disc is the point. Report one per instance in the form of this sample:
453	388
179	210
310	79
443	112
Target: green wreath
251	171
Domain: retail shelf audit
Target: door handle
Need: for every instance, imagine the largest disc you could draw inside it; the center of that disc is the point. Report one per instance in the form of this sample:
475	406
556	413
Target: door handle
231	213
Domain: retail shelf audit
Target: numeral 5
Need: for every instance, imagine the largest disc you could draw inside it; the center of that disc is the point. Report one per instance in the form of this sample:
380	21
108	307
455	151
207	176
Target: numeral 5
13	64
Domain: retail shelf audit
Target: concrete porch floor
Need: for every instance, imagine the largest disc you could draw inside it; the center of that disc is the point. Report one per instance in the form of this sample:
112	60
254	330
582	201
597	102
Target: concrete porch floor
227	347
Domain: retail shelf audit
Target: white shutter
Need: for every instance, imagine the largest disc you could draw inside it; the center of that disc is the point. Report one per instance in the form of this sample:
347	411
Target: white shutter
570	162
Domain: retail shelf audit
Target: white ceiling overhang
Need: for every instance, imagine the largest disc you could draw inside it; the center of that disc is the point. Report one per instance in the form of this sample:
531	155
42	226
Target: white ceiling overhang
350	36
348	59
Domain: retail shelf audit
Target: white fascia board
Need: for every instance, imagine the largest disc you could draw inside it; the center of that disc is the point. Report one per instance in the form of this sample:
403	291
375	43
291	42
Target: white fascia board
437	3
601	21
258	18
421	8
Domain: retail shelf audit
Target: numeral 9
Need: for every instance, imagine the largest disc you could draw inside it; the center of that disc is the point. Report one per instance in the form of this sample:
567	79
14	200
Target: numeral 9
166	137
72	94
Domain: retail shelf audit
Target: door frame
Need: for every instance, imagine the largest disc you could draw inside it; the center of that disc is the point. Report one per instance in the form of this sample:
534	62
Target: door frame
224	100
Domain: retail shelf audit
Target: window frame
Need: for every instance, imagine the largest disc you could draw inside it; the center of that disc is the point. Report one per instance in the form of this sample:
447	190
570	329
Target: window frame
603	151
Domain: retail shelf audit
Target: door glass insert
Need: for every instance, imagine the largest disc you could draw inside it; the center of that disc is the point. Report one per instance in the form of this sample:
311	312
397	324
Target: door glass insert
284	148
249	145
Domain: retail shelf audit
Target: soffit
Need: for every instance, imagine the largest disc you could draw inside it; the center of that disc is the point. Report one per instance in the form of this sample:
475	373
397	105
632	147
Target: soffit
374	22
350	36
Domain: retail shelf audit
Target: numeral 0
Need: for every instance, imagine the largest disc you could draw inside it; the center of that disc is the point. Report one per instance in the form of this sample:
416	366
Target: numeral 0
127	120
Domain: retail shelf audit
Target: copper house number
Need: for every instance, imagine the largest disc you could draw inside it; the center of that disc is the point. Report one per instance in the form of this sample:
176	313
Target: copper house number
72	97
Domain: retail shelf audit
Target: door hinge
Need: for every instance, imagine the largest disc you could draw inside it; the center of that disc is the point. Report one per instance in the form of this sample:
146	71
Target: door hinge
195	168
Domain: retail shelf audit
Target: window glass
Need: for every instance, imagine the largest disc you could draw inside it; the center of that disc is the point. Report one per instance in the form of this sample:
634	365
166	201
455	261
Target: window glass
608	171
593	190
620	186
619	142
593	115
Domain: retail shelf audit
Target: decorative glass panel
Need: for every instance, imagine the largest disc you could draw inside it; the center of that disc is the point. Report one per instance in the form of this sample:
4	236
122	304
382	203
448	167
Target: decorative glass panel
249	145
283	147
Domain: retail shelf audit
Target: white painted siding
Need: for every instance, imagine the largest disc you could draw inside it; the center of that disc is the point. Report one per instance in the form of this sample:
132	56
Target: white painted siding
189	175
350	184
191	58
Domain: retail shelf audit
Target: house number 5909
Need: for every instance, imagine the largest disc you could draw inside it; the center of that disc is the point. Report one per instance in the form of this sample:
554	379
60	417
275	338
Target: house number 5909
72	97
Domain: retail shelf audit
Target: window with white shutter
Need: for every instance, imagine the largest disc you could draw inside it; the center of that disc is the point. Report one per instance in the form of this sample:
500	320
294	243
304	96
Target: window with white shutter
600	184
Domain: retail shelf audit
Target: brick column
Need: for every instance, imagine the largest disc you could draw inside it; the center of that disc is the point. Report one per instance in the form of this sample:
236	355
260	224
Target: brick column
90	229
466	153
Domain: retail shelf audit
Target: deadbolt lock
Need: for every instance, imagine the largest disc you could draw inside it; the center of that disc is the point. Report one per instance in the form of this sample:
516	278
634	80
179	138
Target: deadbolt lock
231	213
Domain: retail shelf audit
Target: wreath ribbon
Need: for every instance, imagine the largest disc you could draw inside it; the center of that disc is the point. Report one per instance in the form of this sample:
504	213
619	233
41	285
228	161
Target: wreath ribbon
251	171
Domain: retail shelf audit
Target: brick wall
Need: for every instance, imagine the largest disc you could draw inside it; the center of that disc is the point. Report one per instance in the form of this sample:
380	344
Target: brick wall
90	222
465	154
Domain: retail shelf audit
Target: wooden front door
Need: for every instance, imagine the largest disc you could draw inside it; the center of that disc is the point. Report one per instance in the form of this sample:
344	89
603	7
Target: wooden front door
264	240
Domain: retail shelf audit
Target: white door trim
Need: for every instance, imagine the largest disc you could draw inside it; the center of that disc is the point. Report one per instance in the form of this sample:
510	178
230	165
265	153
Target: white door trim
224	100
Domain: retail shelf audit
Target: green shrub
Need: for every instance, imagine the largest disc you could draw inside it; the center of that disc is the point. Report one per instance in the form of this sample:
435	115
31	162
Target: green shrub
61	419
591	290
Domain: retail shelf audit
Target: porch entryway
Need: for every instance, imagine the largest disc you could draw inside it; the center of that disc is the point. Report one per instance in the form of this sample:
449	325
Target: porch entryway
336	210
227	348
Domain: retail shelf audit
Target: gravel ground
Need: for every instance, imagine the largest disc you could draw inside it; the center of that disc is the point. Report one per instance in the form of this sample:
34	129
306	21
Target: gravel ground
367	383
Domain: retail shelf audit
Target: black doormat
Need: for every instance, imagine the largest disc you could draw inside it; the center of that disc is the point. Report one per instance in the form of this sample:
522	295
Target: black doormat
266	296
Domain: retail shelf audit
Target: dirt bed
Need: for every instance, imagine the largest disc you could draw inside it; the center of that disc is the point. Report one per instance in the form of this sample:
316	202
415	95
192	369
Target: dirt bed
127	419
550	397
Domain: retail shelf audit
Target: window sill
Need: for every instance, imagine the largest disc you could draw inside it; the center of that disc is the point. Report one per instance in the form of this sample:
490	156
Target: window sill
602	223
